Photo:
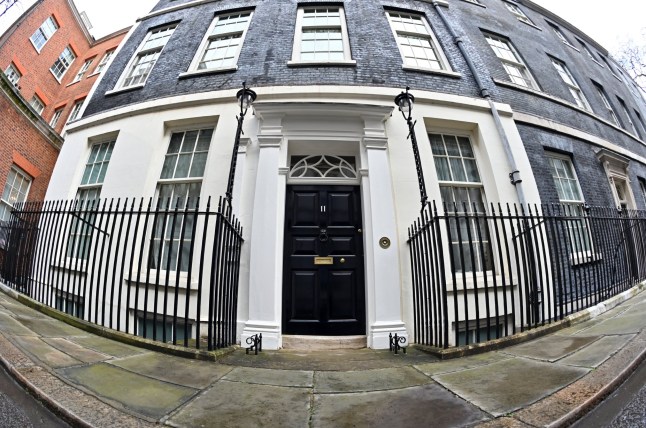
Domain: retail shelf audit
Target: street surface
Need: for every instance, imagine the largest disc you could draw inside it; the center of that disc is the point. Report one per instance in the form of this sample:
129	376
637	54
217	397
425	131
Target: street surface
18	409
624	408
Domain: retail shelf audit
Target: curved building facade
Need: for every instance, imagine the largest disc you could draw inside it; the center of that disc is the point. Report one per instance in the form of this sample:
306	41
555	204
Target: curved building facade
512	105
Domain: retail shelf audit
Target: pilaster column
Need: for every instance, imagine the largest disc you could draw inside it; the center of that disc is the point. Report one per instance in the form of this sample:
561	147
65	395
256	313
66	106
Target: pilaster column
265	259
384	296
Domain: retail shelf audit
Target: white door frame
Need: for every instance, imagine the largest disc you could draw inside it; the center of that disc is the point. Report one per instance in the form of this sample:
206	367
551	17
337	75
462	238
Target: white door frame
360	126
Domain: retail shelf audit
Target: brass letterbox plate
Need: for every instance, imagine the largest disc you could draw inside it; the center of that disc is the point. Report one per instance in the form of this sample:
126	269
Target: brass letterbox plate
323	261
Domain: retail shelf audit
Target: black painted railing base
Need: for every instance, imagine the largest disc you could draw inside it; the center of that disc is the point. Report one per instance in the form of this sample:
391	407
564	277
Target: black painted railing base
163	270
483	273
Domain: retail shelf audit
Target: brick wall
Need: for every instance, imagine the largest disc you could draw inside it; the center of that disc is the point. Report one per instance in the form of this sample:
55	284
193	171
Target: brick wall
17	47
26	142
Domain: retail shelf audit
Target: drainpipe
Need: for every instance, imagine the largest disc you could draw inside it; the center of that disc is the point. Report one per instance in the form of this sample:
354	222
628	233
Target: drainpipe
514	175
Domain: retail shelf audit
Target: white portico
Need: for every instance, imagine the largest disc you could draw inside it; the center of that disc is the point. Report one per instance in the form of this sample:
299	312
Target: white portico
288	129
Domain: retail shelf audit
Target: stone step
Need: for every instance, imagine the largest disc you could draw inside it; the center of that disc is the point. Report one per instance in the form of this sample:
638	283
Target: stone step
322	343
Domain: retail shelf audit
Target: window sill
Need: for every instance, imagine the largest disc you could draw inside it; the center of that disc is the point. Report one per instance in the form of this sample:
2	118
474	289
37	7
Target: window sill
128	89
73	83
345	63
195	73
72	265
431	71
57	79
598	63
530	24
578	259
572	46
479	281
475	4
443	3
149	277
93	74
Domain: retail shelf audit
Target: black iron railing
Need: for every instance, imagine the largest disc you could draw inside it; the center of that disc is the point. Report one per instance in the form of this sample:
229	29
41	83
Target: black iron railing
484	273
163	270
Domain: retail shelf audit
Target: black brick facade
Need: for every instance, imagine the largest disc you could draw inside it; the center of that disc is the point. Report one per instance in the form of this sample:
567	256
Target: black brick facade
268	47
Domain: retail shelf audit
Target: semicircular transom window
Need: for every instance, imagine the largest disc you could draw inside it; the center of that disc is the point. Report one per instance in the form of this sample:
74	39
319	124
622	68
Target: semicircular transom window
323	166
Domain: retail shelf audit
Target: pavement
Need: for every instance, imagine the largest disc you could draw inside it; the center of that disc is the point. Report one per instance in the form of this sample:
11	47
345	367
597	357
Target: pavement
550	381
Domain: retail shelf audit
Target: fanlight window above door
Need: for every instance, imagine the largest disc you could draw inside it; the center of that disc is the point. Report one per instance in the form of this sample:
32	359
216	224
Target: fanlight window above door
323	167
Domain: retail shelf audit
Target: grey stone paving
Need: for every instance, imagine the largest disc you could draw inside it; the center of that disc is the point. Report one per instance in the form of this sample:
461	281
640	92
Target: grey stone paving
422	406
107	346
354	388
75	350
368	380
142	395
45	353
598	352
180	371
234	404
551	348
295	378
502	387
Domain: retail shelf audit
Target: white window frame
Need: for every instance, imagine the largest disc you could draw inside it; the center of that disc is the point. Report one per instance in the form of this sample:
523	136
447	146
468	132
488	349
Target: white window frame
516	63
561	36
173	182
572	84
474	2
76	109
15	195
573	206
37	104
518	13
429	35
104	61
45	32
210	37
468	184
606	102
83	70
298	37
142	53
87	197
630	120
13	74
63	63
56	117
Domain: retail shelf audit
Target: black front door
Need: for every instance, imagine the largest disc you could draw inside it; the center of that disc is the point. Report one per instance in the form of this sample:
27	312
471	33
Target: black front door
323	288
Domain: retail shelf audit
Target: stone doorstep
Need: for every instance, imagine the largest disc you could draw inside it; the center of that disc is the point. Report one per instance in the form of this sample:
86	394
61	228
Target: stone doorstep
323	343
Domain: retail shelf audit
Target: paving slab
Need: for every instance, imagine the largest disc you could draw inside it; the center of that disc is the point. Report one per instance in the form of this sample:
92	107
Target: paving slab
180	371
421	406
624	324
457	364
140	394
49	327
294	378
235	404
598	352
107	346
551	348
74	350
9	325
368	380
46	353
342	360
505	386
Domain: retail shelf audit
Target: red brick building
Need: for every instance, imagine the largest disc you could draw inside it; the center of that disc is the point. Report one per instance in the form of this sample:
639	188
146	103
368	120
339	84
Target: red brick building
50	55
50	62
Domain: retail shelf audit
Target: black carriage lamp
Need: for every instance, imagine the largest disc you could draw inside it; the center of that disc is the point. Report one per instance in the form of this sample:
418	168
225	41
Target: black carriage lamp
405	102
245	97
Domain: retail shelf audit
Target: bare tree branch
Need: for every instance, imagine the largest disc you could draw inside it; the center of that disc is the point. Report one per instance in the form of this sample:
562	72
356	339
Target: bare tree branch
5	5
632	57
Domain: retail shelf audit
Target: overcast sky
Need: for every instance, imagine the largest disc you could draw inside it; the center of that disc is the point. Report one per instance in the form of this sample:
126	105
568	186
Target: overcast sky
608	23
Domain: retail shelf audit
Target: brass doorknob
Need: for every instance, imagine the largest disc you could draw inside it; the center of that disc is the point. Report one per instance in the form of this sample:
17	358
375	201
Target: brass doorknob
342	260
